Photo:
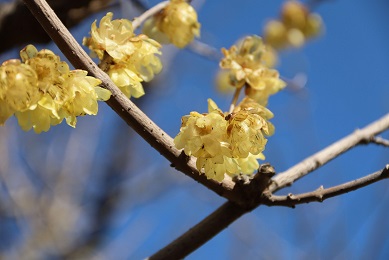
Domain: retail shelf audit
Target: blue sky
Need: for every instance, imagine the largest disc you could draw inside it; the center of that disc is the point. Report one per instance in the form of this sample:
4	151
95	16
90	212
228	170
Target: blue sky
348	87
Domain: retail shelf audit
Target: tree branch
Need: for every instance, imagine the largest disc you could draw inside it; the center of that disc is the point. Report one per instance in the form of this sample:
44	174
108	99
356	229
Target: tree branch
205	50
324	156
218	220
243	197
201	233
281	180
322	194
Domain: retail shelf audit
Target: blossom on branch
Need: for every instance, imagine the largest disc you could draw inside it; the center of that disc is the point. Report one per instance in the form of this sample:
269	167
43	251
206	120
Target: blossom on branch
176	23
226	143
132	58
18	88
250	64
42	91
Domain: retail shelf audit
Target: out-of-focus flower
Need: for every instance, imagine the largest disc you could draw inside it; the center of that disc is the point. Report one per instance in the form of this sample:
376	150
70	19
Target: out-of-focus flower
18	88
296	25
226	144
133	56
223	83
42	91
176	23
248	65
262	84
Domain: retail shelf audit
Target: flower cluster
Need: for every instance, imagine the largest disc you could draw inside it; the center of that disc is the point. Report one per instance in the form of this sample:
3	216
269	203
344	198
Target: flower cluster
250	64
41	91
296	25
176	23
226	143
131	58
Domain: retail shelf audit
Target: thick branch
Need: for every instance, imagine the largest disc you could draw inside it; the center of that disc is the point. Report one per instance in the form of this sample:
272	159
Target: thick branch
201	233
218	220
126	109
324	156
321	194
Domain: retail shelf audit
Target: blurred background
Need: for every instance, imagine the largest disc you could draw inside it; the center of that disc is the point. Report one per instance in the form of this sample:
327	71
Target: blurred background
100	192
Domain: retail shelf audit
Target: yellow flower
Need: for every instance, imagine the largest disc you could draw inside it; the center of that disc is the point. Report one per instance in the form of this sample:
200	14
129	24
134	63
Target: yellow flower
115	37
223	83
203	135
143	61
176	23
249	164
247	127
38	118
215	167
262	84
18	88
85	95
245	135
226	144
126	80
42	91
275	34
297	25
248	64
133	56
50	71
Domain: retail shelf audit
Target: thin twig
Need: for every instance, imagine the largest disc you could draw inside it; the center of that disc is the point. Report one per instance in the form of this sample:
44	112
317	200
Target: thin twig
324	156
235	99
297	83
322	194
144	16
205	50
379	140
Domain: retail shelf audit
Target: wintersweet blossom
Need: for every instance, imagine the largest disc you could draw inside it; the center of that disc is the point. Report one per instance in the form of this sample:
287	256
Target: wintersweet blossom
133	57
18	88
226	143
41	91
295	26
176	23
247	127
249	65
